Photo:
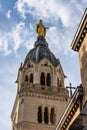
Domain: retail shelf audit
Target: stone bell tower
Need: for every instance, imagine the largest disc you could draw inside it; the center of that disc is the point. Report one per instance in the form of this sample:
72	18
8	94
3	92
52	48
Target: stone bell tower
41	95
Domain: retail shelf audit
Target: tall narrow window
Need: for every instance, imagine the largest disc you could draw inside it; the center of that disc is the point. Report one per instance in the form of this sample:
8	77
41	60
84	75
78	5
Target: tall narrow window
26	78
42	79
52	116
40	114
48	80
46	115
31	78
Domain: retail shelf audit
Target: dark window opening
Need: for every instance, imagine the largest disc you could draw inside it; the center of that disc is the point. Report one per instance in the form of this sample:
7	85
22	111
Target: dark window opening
52	116
40	114
45	64
26	78
48	80
46	115
29	65
31	78
42	79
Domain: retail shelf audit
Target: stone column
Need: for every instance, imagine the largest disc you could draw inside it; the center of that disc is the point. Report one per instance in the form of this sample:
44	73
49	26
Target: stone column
46	81
42	115
49	115
36	76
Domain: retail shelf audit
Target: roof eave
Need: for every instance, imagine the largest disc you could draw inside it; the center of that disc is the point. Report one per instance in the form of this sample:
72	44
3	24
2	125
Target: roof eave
80	33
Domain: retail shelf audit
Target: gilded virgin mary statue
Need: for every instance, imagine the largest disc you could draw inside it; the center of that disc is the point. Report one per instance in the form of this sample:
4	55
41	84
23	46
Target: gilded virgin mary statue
41	29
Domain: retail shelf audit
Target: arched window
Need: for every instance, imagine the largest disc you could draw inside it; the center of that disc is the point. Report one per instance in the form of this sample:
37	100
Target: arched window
26	78
46	115
48	80
52	116
40	114
31	78
42	79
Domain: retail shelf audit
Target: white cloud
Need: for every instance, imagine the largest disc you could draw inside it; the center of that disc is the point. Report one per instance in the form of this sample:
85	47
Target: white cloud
53	38
21	35
8	14
59	41
4	45
18	36
51	10
24	36
84	1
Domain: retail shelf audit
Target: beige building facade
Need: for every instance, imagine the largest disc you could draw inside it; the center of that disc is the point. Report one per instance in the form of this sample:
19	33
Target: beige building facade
41	95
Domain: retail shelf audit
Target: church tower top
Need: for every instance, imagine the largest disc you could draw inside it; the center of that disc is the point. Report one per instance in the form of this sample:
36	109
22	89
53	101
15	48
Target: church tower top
41	49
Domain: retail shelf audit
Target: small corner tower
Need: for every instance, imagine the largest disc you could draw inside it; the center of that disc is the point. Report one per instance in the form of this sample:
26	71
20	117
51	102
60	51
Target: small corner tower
41	94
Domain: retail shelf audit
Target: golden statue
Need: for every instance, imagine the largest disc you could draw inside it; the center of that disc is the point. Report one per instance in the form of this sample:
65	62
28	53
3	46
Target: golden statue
40	29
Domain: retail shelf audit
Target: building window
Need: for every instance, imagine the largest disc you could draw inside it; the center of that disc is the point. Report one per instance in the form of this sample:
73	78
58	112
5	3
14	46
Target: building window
31	78
42	79
48	80
40	114
46	115
52	116
26	78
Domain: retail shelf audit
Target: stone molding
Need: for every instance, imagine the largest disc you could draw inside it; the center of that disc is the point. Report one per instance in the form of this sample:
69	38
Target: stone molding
25	124
80	33
44	96
26	87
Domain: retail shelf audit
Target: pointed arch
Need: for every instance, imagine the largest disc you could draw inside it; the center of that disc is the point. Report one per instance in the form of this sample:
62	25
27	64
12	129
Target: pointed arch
31	78
48	79
42	79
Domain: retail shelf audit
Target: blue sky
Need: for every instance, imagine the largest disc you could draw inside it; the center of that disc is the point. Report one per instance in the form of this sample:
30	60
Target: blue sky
18	19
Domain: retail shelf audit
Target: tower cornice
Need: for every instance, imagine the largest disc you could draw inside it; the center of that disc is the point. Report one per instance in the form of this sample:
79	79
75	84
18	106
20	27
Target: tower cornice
80	33
37	89
44	96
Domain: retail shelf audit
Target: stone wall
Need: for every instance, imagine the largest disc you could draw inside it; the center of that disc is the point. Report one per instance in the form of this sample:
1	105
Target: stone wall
30	104
83	66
